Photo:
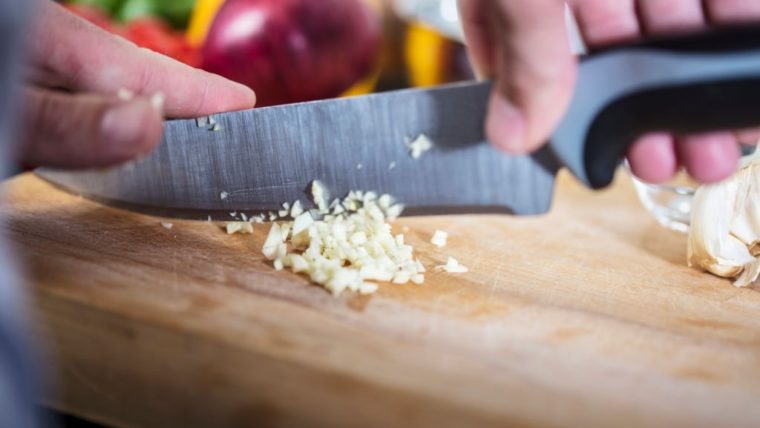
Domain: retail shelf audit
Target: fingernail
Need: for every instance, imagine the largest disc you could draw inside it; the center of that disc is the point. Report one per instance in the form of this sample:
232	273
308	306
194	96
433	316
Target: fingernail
249	93
125	94
157	101
480	73
120	129
505	125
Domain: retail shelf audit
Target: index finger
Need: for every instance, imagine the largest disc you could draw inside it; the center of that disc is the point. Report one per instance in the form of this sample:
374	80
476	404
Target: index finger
84	57
525	45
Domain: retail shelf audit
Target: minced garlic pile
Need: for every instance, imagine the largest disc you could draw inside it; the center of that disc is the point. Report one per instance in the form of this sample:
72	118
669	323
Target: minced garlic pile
350	246
344	245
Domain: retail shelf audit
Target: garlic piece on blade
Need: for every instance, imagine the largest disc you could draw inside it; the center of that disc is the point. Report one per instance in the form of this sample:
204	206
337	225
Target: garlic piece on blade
296	209
319	195
419	146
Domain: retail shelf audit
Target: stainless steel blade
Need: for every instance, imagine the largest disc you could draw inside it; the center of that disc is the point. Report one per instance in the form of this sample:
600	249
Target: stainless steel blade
263	157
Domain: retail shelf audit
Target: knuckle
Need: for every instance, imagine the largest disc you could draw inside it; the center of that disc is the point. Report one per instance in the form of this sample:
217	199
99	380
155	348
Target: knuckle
726	11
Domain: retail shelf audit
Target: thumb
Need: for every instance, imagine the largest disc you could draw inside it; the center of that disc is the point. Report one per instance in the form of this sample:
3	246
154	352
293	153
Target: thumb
83	131
527	48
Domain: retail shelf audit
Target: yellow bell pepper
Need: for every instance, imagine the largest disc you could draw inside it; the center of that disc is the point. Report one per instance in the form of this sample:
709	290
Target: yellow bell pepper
201	20
426	53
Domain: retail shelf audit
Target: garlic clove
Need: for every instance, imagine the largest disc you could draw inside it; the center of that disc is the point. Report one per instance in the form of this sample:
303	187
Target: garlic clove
749	275
724	235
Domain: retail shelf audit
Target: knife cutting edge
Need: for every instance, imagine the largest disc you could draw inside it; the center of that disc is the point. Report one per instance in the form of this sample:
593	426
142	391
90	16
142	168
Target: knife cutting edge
260	158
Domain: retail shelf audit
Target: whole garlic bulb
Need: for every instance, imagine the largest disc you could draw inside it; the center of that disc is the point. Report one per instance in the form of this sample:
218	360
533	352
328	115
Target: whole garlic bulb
724	236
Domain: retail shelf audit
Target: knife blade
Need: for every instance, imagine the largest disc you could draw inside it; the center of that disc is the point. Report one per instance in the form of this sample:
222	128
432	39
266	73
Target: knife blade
260	158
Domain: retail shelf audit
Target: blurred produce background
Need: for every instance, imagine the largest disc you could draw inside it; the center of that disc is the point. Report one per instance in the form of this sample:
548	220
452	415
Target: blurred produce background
290	50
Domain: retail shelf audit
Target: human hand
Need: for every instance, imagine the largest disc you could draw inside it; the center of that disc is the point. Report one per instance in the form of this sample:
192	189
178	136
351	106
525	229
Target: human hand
524	46
72	117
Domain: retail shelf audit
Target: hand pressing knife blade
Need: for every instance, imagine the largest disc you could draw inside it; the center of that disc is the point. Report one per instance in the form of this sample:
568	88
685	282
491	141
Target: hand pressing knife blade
257	159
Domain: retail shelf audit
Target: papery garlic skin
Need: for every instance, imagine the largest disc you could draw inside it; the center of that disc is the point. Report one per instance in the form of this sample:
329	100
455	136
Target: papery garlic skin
725	226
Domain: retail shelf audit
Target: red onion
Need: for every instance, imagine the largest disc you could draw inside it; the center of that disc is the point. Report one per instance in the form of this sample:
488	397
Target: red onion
293	50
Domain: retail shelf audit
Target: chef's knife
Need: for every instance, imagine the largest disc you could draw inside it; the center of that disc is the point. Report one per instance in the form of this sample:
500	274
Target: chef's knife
255	160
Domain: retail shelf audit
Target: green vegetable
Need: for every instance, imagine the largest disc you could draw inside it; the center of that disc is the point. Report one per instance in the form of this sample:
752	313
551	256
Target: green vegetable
108	6
134	9
176	12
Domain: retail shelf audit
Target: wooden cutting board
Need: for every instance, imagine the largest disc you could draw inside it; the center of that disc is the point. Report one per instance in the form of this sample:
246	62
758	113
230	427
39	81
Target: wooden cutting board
585	317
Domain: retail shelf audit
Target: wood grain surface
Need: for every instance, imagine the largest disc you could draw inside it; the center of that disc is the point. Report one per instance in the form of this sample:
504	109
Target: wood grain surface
585	317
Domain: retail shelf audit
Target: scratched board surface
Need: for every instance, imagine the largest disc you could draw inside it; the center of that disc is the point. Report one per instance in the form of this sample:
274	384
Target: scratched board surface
584	317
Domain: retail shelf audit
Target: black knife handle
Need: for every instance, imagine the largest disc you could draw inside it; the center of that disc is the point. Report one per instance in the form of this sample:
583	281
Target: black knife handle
686	84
